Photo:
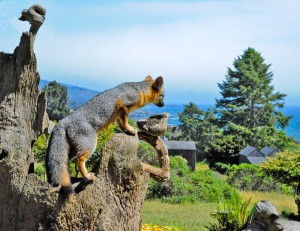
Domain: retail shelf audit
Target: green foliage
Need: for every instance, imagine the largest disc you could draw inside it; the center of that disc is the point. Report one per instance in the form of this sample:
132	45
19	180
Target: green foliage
57	100
39	169
199	126
293	147
249	107
285	168
221	167
248	113
187	186
231	215
40	147
225	149
247	177
147	154
104	135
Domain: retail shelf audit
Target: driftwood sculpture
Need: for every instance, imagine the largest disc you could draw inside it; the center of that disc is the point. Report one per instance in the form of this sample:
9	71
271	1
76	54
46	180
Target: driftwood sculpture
35	15
151	129
266	218
112	202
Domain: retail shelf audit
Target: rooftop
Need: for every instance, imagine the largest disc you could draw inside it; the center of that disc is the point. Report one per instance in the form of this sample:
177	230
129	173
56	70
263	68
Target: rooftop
248	150
180	145
268	150
256	160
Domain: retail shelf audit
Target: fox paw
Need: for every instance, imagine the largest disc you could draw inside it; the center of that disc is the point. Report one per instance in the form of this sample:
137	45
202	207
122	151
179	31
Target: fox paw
131	132
90	177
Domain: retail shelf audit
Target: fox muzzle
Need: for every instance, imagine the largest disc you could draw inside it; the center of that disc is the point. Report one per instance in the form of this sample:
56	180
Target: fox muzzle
160	104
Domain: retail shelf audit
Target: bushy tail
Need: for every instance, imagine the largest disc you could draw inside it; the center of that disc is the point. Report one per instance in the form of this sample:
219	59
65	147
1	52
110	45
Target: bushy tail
57	159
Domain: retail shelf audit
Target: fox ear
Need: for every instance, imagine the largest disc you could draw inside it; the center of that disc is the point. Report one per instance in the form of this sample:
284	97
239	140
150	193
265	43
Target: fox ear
148	78
158	83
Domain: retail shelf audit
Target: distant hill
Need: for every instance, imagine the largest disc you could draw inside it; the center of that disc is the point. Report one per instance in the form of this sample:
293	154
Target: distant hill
77	95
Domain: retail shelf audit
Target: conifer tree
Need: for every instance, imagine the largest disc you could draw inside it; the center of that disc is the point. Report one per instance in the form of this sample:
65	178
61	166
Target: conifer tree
249	107
199	126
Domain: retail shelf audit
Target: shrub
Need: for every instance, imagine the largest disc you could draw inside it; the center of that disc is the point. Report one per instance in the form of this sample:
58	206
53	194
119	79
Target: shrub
247	177
231	215
40	147
39	169
147	154
187	186
221	167
104	136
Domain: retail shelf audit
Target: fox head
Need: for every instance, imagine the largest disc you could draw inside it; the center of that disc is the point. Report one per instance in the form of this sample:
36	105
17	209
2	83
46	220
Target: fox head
157	90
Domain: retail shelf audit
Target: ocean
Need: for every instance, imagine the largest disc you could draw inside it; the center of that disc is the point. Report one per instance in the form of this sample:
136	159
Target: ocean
292	130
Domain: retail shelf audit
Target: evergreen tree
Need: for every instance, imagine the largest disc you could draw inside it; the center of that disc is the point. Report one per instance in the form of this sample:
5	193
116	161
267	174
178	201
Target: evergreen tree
57	100
199	126
249	107
247	114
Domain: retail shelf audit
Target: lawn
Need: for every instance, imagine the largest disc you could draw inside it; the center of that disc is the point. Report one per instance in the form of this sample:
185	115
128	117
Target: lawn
281	201
194	217
187	217
200	166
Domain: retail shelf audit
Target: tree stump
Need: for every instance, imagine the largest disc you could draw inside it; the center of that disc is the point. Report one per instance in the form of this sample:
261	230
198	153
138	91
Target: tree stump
112	202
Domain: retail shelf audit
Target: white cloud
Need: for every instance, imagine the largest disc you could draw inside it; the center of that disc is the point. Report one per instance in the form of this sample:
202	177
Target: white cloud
191	44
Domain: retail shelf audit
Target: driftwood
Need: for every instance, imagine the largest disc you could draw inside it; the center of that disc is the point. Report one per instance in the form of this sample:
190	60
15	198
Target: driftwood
151	129
35	15
112	202
266	218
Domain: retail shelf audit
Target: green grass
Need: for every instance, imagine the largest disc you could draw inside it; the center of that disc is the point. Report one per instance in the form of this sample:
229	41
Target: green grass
187	217
200	166
293	147
281	201
193	217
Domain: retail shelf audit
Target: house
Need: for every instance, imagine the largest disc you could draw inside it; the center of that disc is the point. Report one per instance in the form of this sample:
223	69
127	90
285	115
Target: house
186	149
251	155
268	151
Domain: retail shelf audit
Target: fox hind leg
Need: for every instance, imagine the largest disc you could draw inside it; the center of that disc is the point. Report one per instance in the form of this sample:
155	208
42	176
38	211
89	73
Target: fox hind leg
85	144
65	181
81	165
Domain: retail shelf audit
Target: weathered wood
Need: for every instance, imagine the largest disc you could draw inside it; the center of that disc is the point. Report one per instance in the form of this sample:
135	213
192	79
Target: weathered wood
115	198
150	130
266	218
112	202
22	111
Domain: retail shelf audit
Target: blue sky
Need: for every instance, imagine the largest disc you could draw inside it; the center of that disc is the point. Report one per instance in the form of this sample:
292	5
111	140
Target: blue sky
100	44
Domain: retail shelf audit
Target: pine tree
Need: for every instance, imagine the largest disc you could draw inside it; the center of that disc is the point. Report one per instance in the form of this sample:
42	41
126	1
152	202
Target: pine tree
249	107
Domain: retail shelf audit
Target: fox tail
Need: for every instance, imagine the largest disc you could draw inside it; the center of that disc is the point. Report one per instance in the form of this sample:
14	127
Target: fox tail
57	160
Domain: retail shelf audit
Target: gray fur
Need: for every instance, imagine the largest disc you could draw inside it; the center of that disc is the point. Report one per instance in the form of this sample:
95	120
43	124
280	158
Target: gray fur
100	108
57	155
77	132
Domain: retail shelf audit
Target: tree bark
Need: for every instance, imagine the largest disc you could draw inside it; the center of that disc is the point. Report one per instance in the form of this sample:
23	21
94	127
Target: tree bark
112	202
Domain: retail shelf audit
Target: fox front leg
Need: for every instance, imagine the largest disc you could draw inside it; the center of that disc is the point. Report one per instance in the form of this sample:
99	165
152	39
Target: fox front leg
123	122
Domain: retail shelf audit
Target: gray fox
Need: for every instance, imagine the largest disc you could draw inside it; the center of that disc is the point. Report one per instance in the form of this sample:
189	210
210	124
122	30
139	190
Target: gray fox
75	136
